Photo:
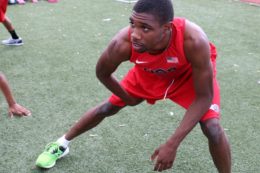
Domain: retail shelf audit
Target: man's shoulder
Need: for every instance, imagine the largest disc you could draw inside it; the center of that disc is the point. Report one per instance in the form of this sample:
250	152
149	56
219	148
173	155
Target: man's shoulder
179	20
122	37
120	45
123	33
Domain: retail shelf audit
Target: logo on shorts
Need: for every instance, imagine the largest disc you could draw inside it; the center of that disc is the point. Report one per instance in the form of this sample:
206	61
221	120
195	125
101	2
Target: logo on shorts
214	107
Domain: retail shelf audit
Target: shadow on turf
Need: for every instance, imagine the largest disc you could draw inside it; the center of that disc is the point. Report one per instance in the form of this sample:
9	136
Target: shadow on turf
38	169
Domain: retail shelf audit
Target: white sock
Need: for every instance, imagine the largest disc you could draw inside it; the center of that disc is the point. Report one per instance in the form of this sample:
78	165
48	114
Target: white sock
63	141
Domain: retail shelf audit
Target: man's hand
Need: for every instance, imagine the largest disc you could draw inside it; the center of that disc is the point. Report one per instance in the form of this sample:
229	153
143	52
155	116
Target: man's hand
18	110
164	157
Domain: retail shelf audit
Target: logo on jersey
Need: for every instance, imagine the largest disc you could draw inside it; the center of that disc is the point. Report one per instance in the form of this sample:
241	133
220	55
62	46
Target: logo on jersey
140	62
160	71
172	59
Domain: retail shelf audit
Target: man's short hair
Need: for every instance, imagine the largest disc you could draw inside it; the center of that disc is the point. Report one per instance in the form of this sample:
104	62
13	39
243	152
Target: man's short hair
161	9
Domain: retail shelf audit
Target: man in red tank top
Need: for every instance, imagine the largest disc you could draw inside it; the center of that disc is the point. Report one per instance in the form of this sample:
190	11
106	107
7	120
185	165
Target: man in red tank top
173	59
14	40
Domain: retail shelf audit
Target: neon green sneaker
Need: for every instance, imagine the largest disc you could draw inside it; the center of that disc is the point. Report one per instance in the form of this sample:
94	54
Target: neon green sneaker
52	152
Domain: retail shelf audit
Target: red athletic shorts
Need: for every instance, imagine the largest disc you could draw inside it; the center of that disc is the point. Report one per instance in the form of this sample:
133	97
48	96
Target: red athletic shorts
3	6
184	96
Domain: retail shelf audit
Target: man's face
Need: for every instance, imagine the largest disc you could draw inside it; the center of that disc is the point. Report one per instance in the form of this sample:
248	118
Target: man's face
146	32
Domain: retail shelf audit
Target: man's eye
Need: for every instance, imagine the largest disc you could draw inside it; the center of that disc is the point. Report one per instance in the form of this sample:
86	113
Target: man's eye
145	29
131	24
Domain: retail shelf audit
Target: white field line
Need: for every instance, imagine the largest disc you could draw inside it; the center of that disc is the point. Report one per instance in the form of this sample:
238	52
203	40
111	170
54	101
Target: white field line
126	1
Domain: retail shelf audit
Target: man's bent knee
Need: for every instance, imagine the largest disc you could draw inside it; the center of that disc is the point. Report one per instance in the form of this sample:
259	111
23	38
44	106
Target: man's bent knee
212	130
107	109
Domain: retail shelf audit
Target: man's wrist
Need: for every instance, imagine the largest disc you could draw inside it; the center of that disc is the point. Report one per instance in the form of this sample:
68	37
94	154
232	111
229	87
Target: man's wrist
173	143
11	103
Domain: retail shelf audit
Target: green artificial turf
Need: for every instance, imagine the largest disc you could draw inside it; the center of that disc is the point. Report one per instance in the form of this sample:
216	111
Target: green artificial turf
53	74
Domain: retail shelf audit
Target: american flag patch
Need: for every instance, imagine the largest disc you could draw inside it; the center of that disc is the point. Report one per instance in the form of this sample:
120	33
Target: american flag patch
172	59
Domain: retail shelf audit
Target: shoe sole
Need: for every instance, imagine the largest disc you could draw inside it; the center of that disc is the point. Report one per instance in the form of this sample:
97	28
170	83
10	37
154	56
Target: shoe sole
19	44
50	166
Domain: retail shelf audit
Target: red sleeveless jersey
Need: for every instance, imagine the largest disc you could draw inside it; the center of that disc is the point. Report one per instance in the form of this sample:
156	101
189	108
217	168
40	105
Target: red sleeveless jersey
159	76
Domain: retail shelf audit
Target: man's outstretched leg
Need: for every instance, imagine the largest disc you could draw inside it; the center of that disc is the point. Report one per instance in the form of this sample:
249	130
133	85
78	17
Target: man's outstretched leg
90	119
218	145
14	39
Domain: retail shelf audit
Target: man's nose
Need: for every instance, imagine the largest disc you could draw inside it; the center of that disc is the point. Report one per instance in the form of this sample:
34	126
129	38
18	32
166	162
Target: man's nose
136	35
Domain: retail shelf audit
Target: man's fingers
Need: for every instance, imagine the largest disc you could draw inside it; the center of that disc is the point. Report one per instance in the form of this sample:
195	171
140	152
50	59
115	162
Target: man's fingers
27	113
10	114
159	166
19	112
154	155
169	165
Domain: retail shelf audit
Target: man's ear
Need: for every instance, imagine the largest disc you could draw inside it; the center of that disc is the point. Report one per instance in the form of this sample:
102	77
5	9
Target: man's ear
167	26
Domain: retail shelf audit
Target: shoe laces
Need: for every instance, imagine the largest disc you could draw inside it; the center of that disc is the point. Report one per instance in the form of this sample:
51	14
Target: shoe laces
54	148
